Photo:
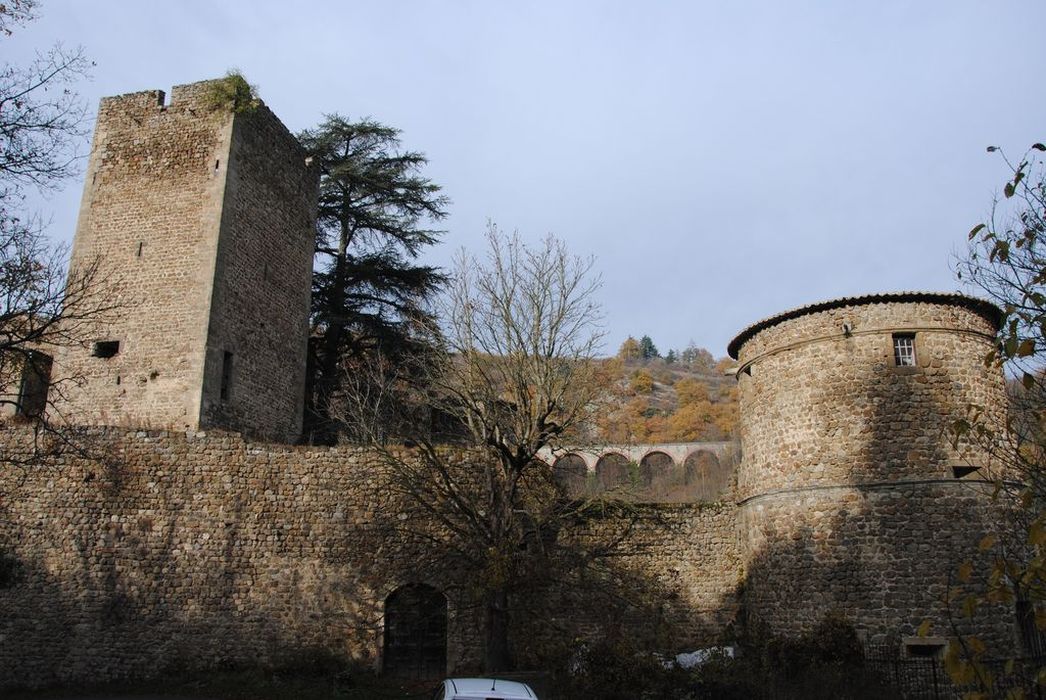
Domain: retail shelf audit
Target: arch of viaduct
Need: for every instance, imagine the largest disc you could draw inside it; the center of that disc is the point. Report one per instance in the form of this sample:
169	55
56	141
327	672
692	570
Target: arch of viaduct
678	452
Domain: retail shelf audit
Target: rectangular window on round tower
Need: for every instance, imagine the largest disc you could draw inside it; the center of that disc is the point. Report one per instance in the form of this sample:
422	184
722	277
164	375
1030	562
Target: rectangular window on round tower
904	349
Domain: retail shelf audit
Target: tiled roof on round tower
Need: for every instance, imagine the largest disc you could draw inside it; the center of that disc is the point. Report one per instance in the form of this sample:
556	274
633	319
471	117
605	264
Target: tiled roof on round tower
985	308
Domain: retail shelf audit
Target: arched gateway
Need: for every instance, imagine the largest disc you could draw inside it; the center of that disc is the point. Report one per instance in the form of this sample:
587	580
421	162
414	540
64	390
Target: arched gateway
415	632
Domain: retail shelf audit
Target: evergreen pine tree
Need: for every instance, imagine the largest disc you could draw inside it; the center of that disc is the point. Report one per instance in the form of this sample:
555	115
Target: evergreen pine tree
647	349
373	221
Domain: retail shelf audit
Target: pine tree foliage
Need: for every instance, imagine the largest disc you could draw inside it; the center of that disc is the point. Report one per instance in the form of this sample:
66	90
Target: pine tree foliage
375	217
647	348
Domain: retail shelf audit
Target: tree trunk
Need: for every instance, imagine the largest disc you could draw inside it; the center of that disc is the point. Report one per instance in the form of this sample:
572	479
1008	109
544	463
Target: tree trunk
327	364
496	655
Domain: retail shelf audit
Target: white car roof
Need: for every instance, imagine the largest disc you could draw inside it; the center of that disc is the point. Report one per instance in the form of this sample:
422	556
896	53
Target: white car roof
489	688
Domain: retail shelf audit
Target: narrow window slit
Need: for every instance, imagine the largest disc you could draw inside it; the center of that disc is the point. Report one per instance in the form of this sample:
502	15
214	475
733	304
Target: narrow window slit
226	375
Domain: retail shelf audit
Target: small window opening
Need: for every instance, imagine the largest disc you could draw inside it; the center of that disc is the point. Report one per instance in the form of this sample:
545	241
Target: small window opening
141	244
216	164
963	471
924	650
748	370
904	350
226	375
105	348
924	647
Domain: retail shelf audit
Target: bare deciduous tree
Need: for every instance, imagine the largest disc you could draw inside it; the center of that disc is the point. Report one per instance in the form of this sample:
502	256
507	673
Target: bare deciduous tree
515	371
42	125
41	310
42	118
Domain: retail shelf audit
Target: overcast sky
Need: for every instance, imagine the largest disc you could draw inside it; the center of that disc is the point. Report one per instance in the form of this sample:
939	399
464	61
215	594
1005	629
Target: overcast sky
723	161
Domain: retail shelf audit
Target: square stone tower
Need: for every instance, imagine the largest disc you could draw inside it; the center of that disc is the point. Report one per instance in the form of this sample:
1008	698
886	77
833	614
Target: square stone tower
202	221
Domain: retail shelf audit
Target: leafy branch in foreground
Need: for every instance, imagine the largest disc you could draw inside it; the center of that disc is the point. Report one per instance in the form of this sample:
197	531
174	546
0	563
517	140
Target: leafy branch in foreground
1006	262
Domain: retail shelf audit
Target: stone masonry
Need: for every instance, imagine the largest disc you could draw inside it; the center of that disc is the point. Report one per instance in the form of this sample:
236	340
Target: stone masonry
202	220
168	547
203	551
849	492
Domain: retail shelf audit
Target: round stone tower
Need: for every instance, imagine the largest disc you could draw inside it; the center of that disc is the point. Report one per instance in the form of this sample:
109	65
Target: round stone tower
852	497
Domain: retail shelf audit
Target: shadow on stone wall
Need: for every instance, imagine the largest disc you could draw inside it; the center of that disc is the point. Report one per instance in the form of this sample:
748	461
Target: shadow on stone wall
213	552
217	554
139	571
619	578
877	535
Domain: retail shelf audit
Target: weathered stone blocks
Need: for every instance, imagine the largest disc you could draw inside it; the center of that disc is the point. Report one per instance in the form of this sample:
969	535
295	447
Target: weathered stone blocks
848	499
201	220
203	550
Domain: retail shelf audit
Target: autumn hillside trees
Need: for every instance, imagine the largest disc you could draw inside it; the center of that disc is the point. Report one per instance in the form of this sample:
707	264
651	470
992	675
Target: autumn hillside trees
653	399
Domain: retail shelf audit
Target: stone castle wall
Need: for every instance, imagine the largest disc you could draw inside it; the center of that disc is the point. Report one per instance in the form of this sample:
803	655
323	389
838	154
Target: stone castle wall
882	557
189	210
149	218
848	496
259	312
672	585
173	549
202	551
192	550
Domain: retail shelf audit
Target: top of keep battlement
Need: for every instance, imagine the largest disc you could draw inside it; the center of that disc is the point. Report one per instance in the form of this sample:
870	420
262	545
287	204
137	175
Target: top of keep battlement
189	95
197	98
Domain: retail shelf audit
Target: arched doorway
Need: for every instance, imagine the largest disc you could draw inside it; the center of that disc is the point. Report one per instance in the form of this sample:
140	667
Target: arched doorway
415	632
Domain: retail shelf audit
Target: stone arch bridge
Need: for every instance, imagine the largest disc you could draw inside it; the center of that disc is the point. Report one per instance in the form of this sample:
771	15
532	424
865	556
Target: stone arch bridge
677	471
677	452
